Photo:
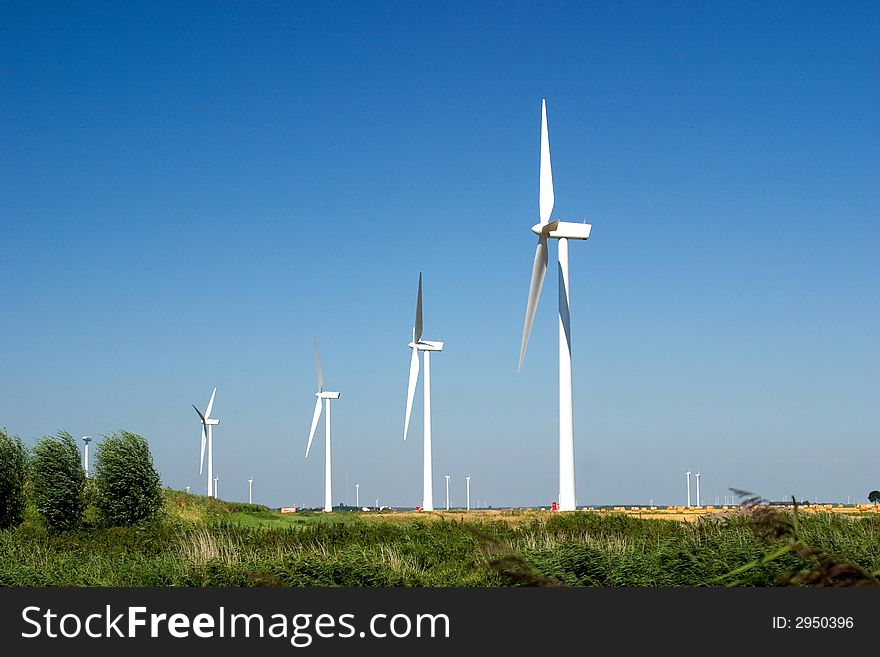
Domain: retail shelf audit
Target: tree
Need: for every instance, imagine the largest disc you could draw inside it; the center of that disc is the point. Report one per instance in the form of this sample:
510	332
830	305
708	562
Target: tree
874	496
127	485
58	481
13	472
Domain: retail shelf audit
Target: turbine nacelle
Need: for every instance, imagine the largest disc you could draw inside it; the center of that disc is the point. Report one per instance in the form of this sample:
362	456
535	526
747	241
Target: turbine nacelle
563	229
326	394
426	345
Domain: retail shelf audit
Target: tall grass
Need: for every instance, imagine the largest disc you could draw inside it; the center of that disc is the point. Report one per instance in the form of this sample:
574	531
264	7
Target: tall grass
201	542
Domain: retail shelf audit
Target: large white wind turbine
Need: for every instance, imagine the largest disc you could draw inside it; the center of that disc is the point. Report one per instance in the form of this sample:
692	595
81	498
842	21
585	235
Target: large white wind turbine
325	395
208	424
426	346
561	231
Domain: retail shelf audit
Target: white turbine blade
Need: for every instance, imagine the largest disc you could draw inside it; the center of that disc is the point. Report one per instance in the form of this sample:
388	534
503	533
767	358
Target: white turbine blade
539	269
546	197
202	457
411	387
210	404
318	374
417	334
315	419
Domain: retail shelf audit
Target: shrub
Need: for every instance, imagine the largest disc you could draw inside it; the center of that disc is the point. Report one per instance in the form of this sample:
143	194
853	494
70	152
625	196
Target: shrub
128	489
58	481
13	471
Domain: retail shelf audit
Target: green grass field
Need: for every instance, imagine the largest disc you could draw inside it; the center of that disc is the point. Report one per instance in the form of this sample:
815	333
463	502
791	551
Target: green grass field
205	542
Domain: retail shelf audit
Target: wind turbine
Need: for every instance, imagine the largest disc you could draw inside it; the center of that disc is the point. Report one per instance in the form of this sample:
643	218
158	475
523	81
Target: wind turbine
250	491
208	424
447	492
426	346
326	396
698	488
86	440
468	479
688	473
357	496
561	231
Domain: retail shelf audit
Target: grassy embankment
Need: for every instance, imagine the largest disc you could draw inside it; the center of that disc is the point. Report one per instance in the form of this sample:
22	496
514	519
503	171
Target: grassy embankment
203	542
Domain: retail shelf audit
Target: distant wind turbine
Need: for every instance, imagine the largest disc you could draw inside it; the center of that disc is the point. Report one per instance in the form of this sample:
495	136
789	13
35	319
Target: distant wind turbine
208	424
561	231
251	490
326	396
468	479
688	473
86	440
447	492
426	346
698	488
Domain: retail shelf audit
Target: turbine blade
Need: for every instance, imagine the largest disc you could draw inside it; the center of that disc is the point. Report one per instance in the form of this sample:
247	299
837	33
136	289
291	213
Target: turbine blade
545	193
417	334
202	458
320	377
411	387
539	270
315	419
202	417
210	404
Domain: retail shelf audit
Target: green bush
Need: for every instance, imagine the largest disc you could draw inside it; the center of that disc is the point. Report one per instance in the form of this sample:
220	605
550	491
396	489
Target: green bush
59	481
128	489
13	471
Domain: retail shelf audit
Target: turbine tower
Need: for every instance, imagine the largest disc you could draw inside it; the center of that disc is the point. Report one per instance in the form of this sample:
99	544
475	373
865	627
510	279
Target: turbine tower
208	424
357	496
426	346
468	479
688	473
447	492
562	231
86	440
325	395
251	490
698	489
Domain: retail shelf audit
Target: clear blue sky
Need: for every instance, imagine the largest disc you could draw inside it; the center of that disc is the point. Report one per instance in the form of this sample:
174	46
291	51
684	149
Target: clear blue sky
190	191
